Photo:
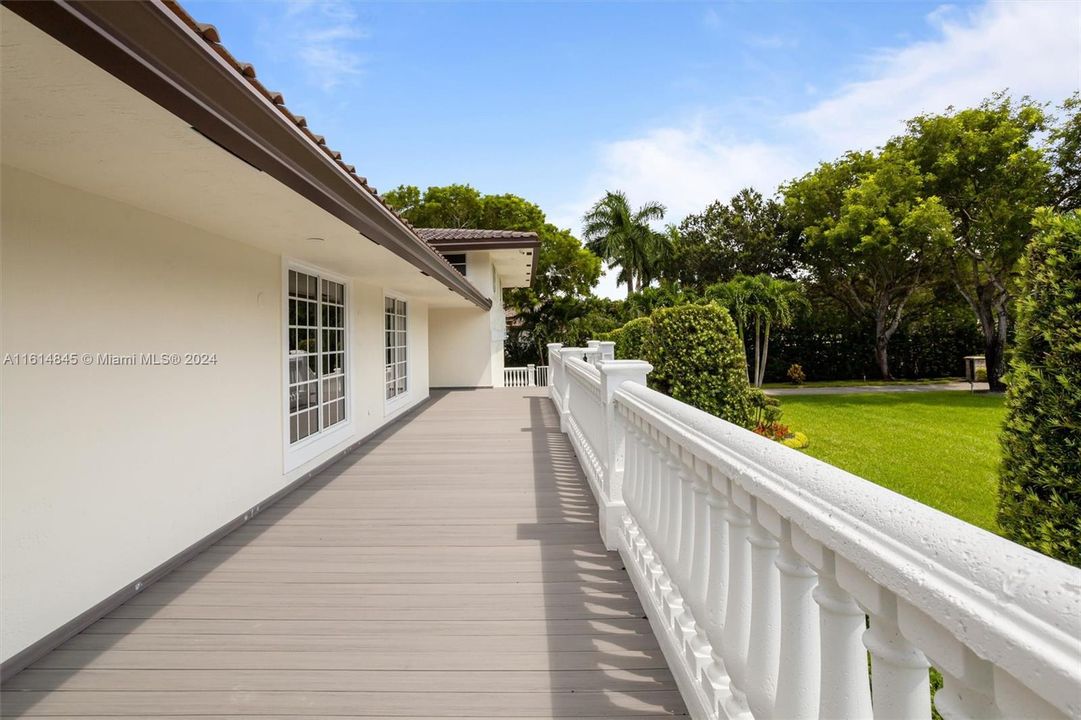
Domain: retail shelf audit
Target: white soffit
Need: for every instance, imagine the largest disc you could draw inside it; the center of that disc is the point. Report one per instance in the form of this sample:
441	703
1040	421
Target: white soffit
65	119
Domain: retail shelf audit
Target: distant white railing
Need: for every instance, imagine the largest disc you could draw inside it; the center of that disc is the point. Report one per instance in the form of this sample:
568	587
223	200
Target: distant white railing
529	376
768	576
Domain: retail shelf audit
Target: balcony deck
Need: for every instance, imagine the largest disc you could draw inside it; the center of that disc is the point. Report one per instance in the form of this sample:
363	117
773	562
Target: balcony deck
451	567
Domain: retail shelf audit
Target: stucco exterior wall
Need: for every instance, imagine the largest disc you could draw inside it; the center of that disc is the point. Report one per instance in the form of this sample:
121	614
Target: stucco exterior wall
466	345
107	471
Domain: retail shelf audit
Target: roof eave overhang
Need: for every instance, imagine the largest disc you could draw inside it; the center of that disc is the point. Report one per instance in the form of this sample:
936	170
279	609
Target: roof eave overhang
527	243
146	46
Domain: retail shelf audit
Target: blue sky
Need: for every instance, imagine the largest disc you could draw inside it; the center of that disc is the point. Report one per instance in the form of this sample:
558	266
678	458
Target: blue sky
677	102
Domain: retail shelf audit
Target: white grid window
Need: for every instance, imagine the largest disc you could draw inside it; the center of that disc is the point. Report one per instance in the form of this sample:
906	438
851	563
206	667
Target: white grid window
397	363
316	354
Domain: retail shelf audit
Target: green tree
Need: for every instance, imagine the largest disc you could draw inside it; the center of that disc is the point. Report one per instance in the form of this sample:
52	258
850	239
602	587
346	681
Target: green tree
872	236
748	236
623	237
565	271
1040	484
1065	153
984	165
767	303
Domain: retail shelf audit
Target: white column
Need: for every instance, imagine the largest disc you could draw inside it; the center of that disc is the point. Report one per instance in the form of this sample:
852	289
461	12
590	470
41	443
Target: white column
737	621
969	695
716	583
798	673
899	671
532	372
608	350
845	689
613	374
763	654
555	380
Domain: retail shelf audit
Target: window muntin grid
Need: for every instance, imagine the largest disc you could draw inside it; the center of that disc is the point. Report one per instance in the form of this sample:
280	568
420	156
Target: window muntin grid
397	363
316	355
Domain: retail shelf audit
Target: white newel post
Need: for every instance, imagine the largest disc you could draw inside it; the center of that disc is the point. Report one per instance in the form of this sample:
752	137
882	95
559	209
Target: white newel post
531	372
607	350
613	374
555	367
593	352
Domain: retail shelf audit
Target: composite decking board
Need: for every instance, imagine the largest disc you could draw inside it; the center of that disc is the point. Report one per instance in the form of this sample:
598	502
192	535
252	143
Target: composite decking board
449	568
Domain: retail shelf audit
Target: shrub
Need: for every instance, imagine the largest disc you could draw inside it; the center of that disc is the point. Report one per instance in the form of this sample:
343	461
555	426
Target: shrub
612	336
796	376
796	440
1040	480
981	374
697	358
630	338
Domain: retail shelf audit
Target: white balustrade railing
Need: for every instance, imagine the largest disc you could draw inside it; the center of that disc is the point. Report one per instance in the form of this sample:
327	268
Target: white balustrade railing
529	376
770	577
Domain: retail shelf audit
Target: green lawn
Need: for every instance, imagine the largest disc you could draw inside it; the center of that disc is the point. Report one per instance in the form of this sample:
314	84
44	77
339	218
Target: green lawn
940	448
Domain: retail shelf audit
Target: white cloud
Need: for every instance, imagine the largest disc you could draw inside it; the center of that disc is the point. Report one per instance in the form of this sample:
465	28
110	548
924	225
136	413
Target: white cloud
1032	48
322	35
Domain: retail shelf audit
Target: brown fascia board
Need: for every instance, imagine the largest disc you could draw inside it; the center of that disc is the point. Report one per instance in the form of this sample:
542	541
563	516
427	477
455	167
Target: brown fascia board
145	45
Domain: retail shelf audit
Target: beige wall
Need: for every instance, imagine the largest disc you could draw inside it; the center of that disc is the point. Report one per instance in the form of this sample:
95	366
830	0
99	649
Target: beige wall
105	472
466	345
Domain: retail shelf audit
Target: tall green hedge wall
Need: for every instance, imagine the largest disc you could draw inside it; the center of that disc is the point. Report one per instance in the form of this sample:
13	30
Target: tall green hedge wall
630	337
1040	483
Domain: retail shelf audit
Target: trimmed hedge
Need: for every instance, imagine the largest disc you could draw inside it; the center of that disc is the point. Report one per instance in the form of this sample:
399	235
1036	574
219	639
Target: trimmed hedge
1040	480
630	338
697	358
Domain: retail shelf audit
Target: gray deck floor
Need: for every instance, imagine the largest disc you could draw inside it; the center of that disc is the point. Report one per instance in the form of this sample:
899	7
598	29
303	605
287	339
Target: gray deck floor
451	567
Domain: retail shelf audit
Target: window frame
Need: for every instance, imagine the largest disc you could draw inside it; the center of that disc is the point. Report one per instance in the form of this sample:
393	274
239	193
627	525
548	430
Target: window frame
454	263
393	404
302	451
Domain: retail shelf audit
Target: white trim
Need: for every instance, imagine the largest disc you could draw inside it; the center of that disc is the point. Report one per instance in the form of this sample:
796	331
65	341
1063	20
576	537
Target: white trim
396	404
296	454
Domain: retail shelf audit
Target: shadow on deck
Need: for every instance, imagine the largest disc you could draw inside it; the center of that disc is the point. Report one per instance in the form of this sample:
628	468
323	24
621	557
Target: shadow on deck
451	567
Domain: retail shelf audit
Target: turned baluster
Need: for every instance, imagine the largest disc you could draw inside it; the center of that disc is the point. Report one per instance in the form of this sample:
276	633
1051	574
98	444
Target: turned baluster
698	649
969	694
798	673
631	468
844	688
717	580
737	621
670	542
763	654
648	527
687	528
899	671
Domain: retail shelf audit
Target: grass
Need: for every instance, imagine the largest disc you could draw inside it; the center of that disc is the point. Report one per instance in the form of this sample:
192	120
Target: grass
856	383
940	448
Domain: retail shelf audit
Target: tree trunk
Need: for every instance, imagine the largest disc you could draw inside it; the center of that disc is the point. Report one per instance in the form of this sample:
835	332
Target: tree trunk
757	349
882	342
765	354
995	346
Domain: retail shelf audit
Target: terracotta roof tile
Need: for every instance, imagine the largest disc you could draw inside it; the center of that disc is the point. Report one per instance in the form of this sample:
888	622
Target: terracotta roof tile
459	234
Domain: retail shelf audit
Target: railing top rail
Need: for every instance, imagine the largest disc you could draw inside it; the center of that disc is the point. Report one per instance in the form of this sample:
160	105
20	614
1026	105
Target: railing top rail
1010	605
582	369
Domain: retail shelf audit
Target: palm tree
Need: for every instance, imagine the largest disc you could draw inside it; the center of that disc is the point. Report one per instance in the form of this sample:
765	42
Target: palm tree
778	300
623	237
767	302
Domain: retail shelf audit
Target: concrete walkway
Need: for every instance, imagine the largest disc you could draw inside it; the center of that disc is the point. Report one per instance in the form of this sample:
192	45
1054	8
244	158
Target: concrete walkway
861	389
